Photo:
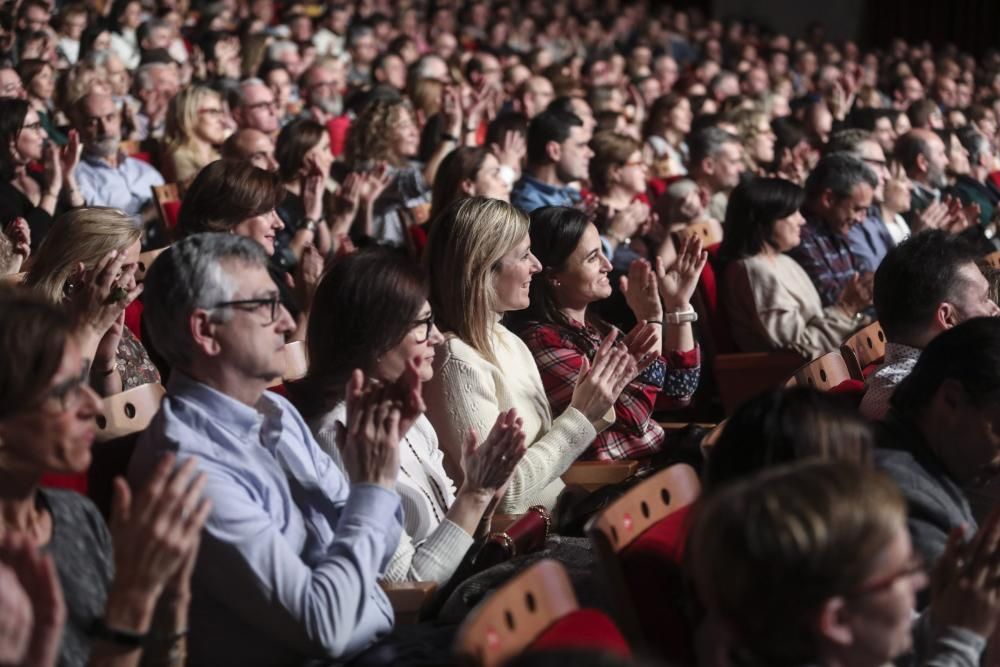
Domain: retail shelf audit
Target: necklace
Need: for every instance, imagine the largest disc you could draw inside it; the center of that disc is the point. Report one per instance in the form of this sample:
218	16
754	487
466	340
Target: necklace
435	503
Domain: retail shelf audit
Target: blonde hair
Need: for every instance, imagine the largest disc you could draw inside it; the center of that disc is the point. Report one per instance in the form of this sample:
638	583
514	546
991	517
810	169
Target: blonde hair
182	114
80	236
463	252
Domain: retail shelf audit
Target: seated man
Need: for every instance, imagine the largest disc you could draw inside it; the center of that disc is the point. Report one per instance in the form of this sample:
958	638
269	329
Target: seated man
106	176
252	146
926	285
292	551
558	155
838	194
942	436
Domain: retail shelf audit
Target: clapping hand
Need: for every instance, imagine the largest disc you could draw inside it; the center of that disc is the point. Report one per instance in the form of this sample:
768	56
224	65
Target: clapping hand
600	383
965	591
32	611
488	467
678	283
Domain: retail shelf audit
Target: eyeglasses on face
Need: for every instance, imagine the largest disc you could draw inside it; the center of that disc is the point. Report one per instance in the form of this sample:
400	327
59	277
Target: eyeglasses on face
262	105
912	568
428	324
269	305
69	393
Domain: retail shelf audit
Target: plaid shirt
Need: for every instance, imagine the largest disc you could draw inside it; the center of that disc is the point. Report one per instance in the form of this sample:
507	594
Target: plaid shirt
558	351
827	258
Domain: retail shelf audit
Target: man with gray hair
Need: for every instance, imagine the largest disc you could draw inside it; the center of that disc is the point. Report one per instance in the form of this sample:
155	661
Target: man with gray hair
108	177
155	85
838	195
715	162
252	105
292	551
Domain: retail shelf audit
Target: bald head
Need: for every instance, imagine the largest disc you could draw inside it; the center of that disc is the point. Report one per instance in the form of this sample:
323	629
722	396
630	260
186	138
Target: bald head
253	146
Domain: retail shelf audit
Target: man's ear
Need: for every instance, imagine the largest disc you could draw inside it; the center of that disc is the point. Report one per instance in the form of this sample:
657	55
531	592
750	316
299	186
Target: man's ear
827	199
708	166
203	330
832	622
553	149
946	316
922	164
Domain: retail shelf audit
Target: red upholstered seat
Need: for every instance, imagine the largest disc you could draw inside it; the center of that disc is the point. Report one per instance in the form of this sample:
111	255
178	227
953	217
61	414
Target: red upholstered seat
133	318
652	569
583	629
853	389
171	212
871	368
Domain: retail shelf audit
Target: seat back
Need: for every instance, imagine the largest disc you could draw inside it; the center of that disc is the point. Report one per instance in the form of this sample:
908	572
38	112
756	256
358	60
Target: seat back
129	412
864	348
708	234
168	200
824	373
146	260
510	619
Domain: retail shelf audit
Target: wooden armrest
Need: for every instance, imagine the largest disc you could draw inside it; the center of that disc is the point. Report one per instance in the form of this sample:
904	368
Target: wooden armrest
592	475
502	522
409	598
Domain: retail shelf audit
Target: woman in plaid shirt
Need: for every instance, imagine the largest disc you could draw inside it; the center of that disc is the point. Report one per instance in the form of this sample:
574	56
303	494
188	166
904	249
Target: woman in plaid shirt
559	332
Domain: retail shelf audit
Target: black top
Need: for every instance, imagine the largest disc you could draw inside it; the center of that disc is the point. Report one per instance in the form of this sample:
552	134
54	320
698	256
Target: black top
15	204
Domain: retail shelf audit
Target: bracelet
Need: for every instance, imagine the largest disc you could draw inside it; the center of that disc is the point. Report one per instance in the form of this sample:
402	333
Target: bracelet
681	317
660	322
308	224
126	638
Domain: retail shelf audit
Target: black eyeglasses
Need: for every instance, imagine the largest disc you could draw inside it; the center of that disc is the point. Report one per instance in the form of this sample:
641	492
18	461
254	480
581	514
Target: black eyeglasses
428	323
250	305
69	392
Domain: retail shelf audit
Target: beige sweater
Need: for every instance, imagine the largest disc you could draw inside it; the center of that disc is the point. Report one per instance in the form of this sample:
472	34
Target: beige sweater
469	392
772	304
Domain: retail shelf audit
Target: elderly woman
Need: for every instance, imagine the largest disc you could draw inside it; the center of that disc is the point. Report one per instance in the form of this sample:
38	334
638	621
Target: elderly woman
481	267
771	302
24	193
47	425
560	331
105	242
812	564
374	305
197	123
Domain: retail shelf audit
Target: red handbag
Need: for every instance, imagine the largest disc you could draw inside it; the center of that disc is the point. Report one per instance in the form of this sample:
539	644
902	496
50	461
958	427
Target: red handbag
526	535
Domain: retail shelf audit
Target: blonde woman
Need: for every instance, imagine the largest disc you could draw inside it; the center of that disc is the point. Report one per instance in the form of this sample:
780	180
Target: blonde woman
480	266
105	242
197	123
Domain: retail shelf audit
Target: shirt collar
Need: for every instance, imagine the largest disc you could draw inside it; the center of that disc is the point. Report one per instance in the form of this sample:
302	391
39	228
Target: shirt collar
548	188
244	421
896	352
97	161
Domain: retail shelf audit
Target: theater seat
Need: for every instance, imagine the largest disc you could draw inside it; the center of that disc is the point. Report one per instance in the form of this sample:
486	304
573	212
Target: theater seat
864	351
536	610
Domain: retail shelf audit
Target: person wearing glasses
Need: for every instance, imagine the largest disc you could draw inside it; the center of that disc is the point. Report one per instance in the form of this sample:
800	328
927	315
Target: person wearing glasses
108	583
252	105
292	550
812	564
197	124
374	305
24	193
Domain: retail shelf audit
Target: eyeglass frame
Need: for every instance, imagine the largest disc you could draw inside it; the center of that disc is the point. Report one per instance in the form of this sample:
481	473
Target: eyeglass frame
70	391
241	304
428	322
913	567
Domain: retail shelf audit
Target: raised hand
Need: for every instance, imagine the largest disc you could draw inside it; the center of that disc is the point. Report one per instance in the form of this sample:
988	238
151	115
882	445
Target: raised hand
513	150
370	439
678	283
375	183
32	611
488	467
965	592
643	344
599	384
856	295
640	290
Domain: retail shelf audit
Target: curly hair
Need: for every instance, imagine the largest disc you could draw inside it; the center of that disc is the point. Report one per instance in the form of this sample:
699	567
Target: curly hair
370	138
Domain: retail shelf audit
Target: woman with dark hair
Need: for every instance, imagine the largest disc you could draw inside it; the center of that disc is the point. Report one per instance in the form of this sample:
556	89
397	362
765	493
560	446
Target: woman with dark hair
47	425
771	302
373	316
560	333
39	80
235	197
127	16
467	171
668	123
26	194
787	425
302	152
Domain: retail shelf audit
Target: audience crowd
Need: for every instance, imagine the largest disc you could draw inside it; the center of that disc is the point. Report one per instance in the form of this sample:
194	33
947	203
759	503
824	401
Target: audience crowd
508	241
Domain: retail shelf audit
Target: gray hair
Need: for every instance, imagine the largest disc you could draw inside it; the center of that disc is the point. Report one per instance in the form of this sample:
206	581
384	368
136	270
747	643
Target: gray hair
974	142
144	75
275	50
840	173
189	275
100	58
708	142
848	141
237	94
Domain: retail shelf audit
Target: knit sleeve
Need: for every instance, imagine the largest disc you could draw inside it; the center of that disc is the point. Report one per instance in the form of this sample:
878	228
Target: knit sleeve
434	559
468	400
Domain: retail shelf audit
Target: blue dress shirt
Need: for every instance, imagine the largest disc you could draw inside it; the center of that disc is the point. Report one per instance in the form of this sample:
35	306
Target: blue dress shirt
128	187
292	552
530	193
